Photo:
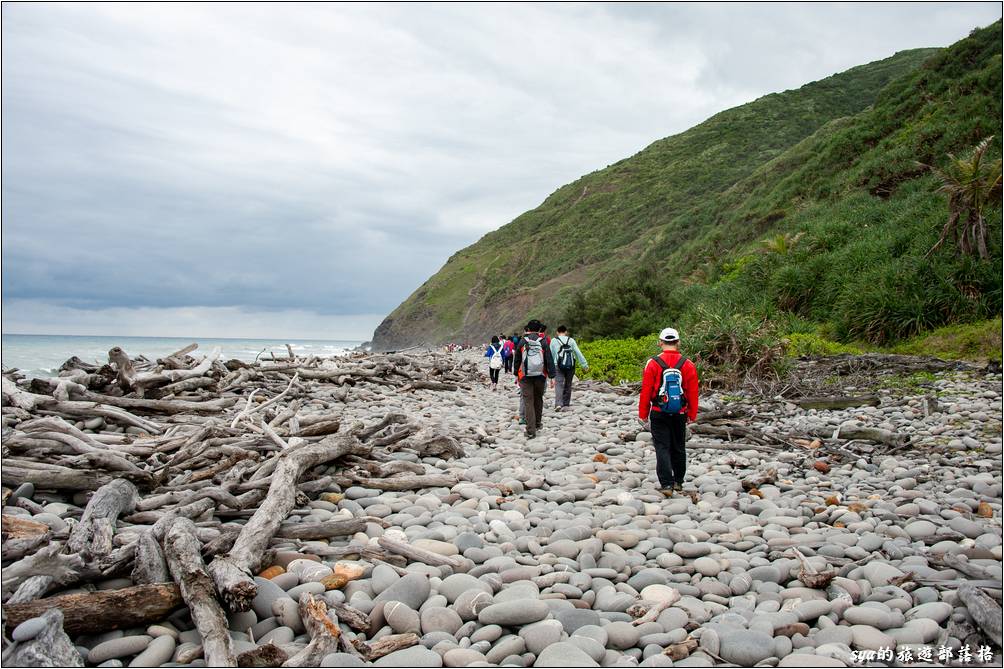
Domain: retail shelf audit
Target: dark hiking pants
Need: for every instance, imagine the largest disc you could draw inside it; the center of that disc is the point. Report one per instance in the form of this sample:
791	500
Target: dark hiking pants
493	374
563	387
669	434
532	391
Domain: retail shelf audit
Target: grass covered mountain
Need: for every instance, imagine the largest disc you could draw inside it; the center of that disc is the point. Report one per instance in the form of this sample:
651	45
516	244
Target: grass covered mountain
805	209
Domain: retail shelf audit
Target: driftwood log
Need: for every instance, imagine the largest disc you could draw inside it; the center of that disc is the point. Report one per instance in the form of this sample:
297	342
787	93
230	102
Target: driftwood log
189	466
232	572
181	548
985	612
92	536
323	633
834	403
103	610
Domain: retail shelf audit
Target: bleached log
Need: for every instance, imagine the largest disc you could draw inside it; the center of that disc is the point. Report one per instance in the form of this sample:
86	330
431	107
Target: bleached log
834	403
386	645
322	530
248	410
416	554
406	482
46	562
30	589
176	375
183	386
232	572
160	406
149	565
17	548
181	548
92	536
184	351
985	611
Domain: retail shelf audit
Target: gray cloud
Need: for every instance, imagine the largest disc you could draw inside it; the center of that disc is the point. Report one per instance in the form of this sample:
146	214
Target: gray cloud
231	162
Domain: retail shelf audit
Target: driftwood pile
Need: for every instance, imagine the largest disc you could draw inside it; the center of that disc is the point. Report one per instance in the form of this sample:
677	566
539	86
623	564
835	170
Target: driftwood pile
186	468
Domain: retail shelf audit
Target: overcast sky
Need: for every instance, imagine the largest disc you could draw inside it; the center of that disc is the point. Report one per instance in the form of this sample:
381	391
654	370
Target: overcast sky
298	170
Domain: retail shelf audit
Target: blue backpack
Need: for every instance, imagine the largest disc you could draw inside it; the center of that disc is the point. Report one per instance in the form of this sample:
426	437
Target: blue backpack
670	398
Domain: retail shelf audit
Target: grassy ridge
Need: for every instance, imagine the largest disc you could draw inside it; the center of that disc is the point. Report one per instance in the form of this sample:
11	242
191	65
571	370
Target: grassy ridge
864	215
803	213
630	208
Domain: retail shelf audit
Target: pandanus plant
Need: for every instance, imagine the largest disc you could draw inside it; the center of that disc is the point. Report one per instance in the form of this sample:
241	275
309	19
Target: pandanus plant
972	184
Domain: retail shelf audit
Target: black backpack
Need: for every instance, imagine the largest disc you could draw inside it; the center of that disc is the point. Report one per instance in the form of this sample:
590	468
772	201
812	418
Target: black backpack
566	360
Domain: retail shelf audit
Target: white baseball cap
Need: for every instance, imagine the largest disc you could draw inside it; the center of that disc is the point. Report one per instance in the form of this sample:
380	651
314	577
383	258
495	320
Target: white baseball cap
669	334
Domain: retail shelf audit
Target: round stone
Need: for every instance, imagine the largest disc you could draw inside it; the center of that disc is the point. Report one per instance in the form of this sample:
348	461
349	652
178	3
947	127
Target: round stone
573	619
341	660
28	630
865	637
159	651
268	593
287	613
659	593
412	589
564	654
456	584
471	603
744	647
416	656
921	529
402	618
621	635
383	577
707	566
439	619
539	636
518	612
121	647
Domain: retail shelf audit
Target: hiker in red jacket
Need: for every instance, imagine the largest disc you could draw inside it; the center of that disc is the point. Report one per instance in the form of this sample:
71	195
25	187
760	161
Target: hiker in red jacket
668	400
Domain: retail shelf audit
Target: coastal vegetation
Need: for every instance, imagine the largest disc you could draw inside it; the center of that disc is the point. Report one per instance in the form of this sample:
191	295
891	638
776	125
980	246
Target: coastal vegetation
805	221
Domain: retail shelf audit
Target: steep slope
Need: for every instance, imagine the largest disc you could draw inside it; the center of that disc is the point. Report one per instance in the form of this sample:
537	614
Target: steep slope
692	206
495	283
860	212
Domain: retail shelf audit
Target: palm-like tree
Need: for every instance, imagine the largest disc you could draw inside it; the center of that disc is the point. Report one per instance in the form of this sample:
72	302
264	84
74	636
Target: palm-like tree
781	243
972	185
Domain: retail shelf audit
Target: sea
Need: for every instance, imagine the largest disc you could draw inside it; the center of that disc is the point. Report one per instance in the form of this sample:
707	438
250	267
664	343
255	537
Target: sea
41	355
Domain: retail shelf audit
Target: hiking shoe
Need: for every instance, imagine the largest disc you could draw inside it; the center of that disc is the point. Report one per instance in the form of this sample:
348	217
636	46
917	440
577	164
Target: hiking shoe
678	487
531	435
522	421
666	492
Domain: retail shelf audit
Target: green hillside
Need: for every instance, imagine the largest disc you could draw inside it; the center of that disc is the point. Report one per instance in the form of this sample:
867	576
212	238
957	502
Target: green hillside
675	233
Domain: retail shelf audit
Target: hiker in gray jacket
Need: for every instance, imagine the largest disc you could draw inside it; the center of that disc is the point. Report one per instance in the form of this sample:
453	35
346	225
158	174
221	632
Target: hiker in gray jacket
534	365
565	352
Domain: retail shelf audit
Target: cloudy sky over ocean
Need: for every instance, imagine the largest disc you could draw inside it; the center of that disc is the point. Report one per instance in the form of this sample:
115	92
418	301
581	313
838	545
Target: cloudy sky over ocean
297	170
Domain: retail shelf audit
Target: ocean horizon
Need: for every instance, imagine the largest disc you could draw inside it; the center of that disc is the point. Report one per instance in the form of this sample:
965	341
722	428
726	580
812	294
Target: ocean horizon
42	355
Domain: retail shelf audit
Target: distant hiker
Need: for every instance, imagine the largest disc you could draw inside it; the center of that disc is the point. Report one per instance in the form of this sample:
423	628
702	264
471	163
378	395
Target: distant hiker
494	355
534	365
544	335
668	400
565	352
508	348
